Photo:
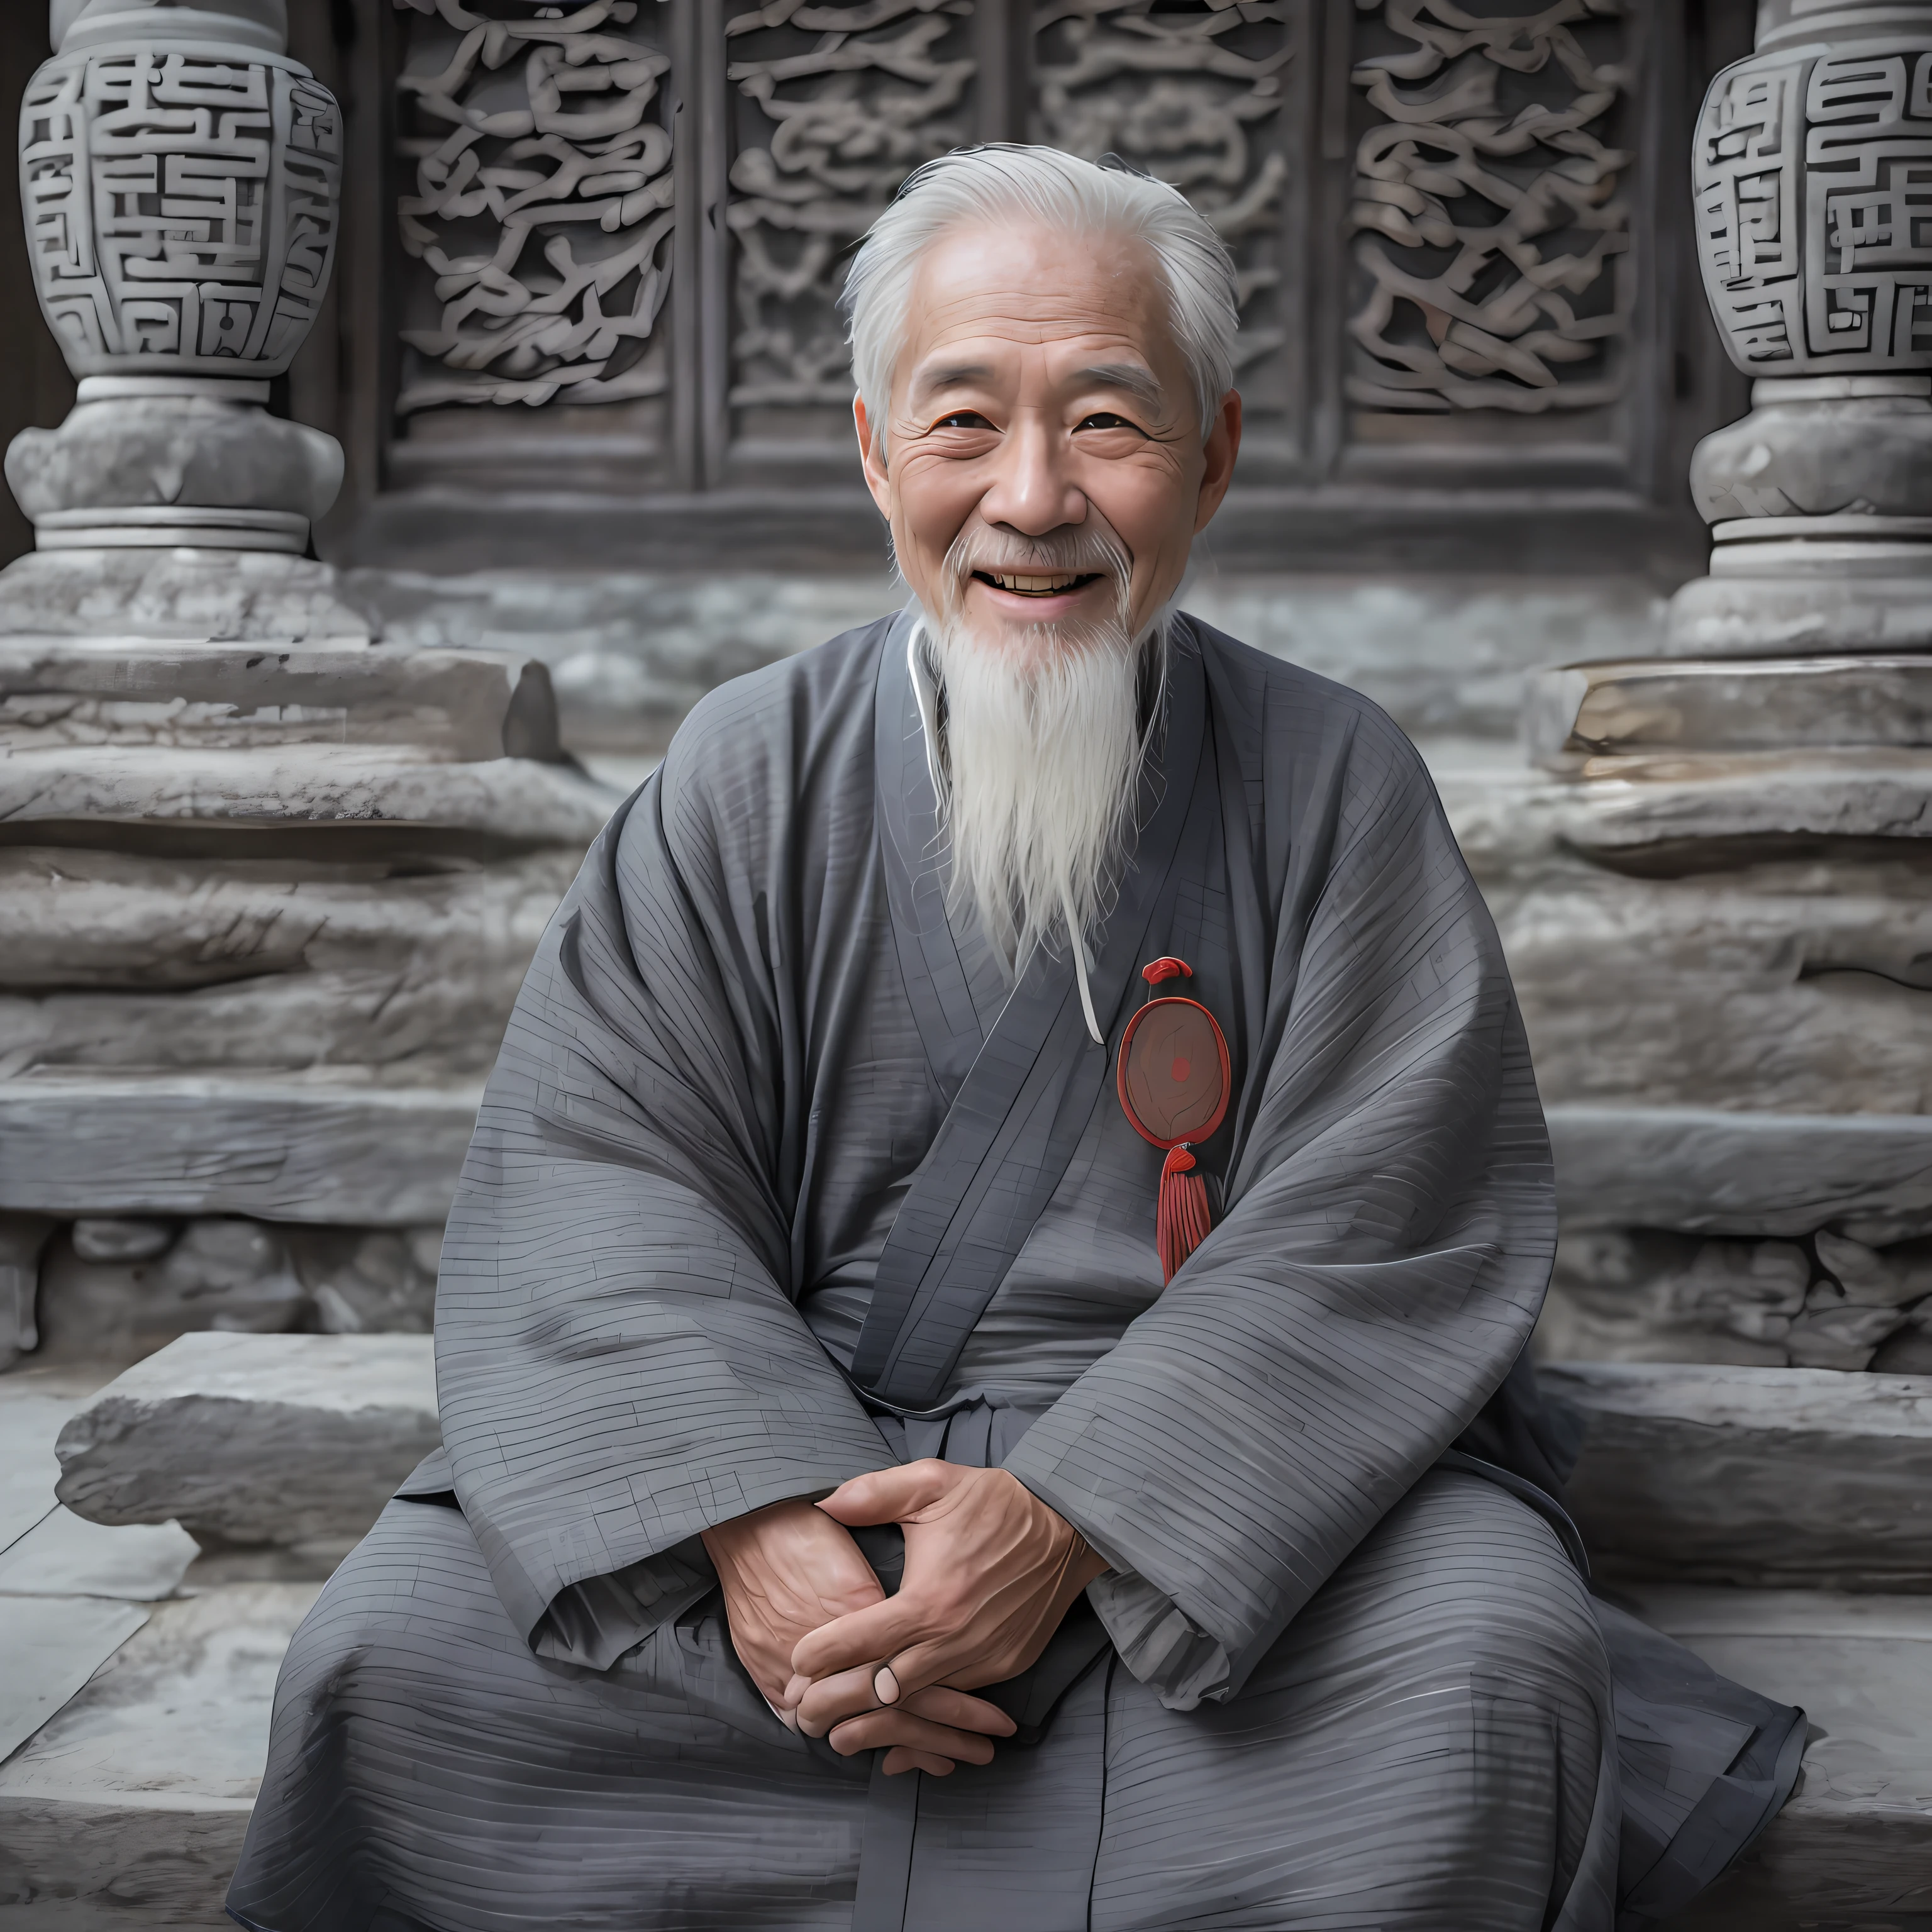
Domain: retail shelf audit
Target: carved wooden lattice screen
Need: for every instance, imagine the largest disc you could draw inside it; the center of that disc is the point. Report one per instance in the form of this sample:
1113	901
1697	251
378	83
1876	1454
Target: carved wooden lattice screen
621	227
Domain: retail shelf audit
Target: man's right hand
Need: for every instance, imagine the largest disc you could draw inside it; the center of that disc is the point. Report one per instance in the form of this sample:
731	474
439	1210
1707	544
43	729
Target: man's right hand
789	1569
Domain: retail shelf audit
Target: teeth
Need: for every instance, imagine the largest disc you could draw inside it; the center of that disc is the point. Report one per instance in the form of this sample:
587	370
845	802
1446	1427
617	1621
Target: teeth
1032	584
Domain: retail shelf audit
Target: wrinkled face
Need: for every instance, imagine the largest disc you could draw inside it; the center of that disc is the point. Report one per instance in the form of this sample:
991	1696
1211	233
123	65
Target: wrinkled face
1044	465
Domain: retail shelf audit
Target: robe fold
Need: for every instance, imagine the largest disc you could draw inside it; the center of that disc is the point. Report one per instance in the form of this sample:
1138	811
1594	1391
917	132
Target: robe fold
778	1179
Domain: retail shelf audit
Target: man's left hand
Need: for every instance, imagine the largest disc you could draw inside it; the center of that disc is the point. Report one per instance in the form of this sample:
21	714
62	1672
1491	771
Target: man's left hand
990	1570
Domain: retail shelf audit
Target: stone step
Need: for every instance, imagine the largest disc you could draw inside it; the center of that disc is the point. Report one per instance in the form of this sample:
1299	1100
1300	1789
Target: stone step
1710	1171
281	1147
1851	1851
296	1440
1767	1478
126	1809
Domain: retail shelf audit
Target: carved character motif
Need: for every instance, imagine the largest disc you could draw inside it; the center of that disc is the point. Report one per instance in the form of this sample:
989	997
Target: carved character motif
544	213
844	103
181	209
1192	95
1492	236
1814	180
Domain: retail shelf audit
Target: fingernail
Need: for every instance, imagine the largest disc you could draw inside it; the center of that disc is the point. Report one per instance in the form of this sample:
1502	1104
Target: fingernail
885	1685
795	1690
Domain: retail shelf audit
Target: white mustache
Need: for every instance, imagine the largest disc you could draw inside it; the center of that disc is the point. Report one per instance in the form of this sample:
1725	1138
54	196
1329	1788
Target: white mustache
1077	551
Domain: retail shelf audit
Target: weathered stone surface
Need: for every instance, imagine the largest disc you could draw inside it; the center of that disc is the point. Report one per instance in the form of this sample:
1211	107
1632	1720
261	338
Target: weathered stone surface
285	1148
215	596
1762	1477
1725	991
160	450
362	1283
1737	615
1588	710
53	1645
65	1555
225	1274
516	798
1704	1171
1851	1851
441	706
97	1238
128	1808
22	1238
34	1402
1642	1296
1651	798
285	1439
1868	1278
128	960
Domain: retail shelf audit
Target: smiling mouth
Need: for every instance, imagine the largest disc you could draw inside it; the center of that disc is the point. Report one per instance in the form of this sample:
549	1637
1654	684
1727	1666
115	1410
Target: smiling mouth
1038	583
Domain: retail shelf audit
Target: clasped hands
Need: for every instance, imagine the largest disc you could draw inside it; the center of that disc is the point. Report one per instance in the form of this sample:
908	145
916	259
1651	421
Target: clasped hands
990	1570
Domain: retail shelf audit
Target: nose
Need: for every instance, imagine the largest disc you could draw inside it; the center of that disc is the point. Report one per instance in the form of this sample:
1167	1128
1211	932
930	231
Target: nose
1032	490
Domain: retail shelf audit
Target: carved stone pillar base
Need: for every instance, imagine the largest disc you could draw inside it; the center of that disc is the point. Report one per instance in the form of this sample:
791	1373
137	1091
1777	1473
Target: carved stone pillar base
1820	504
147	461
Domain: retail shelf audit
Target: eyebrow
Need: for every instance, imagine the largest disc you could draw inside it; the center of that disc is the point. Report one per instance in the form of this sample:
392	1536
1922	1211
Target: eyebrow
1128	377
950	376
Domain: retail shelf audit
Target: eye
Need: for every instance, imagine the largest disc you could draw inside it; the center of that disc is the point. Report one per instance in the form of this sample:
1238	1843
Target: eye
963	419
1107	419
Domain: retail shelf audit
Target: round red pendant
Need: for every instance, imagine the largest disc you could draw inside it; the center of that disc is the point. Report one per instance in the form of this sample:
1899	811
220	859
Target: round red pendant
1173	1075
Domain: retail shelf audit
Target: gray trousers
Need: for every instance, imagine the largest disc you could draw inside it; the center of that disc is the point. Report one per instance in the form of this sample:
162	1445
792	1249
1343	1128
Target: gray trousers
1428	1748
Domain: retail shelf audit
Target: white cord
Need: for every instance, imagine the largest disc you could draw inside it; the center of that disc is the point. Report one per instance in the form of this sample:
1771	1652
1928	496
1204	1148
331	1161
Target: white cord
1073	939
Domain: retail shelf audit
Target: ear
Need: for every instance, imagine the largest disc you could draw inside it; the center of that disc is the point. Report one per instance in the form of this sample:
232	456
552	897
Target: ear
1224	444
870	460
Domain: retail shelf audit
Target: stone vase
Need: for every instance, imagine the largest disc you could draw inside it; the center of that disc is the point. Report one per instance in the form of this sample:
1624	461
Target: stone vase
180	177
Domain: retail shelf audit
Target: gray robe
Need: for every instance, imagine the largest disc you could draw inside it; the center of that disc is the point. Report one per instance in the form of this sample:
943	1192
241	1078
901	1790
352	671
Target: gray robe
776	1180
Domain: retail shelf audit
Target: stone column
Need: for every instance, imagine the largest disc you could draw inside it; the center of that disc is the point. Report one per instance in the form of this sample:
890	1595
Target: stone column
269	885
1721	913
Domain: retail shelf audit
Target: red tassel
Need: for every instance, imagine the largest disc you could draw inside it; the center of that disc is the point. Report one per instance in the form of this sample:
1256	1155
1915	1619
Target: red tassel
1182	1222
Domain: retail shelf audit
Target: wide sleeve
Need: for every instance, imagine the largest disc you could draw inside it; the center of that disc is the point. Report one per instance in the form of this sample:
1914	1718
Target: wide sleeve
1376	1273
619	1362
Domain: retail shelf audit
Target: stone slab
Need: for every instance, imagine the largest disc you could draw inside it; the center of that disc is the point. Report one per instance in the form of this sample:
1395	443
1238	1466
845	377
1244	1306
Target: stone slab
1632	800
462	706
128	1810
1852	1849
281	1148
1762	1477
255	1439
1796	987
516	798
30	1420
1740	704
65	1555
53	1645
1706	1171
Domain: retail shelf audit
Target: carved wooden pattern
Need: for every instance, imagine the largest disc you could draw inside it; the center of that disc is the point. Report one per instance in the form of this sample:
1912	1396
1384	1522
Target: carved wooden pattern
839	104
1814	180
1192	95
543	203
181	209
1491	228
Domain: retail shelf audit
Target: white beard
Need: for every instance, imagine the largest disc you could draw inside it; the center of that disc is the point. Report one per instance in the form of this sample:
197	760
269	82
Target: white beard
1042	750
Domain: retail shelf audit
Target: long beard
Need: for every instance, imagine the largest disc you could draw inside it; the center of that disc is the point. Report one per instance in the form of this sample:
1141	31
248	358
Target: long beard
1043	748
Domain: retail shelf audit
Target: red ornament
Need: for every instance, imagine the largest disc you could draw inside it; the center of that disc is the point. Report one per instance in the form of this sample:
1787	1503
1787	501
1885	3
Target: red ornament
1175	1082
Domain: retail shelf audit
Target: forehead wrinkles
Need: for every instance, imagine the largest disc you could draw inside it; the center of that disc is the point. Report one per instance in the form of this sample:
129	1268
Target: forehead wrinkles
1105	292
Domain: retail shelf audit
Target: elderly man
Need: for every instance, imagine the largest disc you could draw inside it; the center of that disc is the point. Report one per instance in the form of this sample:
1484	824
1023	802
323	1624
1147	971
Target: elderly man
981	1343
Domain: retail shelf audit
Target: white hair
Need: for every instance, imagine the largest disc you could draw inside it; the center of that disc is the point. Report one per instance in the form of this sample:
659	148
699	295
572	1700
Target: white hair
1002	180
